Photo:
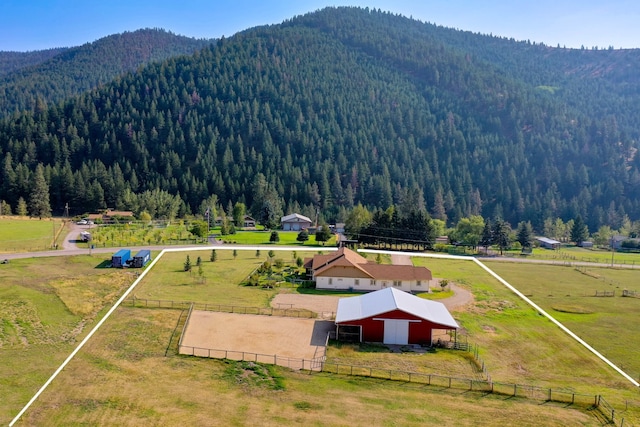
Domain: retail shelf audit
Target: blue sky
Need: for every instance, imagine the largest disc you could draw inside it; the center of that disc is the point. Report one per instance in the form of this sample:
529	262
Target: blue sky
40	24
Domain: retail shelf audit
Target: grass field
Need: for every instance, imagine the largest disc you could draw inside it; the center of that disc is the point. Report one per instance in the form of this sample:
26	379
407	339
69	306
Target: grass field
568	295
28	235
137	234
46	306
577	254
122	376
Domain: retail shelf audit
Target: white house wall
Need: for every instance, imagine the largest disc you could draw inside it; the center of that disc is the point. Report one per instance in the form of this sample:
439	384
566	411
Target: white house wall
366	285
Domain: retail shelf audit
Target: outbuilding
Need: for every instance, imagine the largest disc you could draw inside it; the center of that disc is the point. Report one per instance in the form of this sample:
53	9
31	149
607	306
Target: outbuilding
545	242
295	222
391	316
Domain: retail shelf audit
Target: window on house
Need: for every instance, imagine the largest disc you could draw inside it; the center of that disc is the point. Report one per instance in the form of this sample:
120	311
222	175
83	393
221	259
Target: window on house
330	281
373	282
397	283
419	283
356	282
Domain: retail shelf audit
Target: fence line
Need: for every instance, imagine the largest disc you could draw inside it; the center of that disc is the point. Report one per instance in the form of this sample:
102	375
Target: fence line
605	293
186	323
263	311
314	364
319	364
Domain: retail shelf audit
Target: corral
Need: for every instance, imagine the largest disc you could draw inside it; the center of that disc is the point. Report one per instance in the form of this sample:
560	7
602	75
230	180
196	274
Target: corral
268	339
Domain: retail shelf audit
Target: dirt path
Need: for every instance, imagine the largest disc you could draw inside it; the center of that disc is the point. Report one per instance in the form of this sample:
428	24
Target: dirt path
461	297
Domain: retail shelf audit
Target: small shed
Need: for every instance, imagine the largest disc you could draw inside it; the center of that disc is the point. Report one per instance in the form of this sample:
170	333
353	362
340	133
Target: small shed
295	222
548	243
391	316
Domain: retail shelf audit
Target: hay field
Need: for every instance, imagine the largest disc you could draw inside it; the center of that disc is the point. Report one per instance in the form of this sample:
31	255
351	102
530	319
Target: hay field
19	234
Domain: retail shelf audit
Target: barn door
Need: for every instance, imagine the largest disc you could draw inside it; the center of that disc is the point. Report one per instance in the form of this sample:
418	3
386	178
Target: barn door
396	331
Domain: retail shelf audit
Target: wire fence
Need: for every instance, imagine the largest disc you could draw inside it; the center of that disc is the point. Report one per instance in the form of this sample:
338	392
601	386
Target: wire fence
314	364
222	308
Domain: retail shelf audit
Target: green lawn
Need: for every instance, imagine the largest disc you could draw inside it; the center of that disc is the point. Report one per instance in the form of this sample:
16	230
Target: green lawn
222	278
28	235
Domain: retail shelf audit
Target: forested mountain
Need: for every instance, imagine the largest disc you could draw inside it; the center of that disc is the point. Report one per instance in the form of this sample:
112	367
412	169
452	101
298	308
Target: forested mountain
52	75
14	61
346	106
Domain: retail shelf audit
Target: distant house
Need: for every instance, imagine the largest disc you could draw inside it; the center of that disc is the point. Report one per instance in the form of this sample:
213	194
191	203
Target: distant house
391	316
548	243
248	222
295	222
346	269
623	242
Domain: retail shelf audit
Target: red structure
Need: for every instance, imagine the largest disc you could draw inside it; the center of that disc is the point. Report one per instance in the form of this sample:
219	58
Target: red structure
391	316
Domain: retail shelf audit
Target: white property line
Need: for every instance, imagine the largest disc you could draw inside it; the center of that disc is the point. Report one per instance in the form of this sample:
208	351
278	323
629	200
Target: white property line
523	297
128	291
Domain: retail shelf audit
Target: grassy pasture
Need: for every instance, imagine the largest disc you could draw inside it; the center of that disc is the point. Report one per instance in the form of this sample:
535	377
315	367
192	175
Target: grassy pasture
123	378
27	235
609	324
577	254
46	306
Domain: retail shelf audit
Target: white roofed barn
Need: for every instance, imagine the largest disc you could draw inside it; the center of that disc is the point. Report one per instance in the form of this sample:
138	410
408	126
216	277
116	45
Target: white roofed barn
392	316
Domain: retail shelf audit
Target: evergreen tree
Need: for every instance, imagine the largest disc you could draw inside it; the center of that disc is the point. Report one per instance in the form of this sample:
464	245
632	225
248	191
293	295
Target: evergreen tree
274	237
579	231
22	207
487	235
323	233
214	255
187	264
303	236
524	234
39	198
500	234
5	208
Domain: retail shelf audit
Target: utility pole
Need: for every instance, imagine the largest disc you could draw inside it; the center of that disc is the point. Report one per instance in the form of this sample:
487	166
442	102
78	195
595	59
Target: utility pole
613	251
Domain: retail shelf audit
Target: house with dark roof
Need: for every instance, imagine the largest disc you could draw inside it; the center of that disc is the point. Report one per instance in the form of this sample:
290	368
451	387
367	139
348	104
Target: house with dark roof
345	269
391	316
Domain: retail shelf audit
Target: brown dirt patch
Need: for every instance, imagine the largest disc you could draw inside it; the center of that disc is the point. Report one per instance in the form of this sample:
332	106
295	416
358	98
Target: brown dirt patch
232	336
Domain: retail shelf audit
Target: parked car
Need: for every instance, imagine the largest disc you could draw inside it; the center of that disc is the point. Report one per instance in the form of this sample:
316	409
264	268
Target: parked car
82	222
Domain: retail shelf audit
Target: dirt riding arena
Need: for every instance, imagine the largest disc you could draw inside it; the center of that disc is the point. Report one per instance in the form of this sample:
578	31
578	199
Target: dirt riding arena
284	341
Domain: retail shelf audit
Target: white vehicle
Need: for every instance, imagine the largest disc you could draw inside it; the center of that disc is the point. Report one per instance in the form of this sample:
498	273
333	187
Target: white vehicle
82	222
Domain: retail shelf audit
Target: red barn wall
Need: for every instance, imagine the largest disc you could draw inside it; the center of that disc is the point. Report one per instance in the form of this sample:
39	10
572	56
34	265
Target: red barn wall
373	330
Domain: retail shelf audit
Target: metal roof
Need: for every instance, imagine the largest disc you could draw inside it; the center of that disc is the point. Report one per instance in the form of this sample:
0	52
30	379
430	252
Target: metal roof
390	299
295	217
548	241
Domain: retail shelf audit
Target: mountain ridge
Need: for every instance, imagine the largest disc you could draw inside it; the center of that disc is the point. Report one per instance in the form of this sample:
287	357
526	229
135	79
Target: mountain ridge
347	106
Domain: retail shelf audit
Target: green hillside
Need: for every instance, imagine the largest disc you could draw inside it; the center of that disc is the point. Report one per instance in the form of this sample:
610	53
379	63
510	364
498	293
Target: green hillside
32	79
346	106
